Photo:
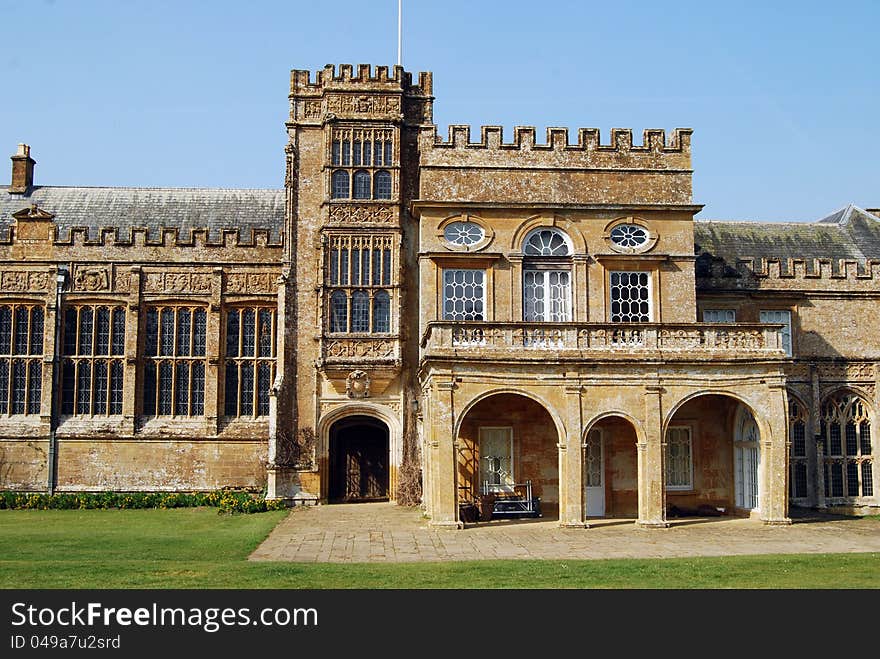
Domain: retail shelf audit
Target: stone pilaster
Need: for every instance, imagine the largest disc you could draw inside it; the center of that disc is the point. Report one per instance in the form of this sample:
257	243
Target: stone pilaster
131	397
774	454
442	444
651	448
571	463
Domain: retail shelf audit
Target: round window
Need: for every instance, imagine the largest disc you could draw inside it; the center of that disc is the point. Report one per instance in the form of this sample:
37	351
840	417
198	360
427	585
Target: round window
629	235
463	233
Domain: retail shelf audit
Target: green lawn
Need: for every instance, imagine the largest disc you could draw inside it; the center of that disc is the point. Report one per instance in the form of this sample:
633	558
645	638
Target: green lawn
197	548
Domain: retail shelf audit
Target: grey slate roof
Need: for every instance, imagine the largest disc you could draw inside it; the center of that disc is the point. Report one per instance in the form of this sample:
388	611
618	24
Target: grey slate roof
152	208
850	233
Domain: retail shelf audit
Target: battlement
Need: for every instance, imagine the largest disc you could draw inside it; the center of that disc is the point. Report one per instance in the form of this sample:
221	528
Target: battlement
365	77
588	139
785	272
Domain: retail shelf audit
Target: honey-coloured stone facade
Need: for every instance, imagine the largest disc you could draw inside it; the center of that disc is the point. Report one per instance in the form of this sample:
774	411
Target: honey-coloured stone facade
440	321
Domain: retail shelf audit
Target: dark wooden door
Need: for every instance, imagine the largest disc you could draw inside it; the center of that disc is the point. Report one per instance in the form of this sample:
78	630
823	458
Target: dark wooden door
359	466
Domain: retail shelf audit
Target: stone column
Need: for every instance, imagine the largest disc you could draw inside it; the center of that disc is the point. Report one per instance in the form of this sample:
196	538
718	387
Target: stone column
651	451
875	430
774	456
571	463
442	448
818	447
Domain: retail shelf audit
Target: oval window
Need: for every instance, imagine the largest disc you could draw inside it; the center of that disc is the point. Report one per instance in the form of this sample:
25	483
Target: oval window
463	233
629	235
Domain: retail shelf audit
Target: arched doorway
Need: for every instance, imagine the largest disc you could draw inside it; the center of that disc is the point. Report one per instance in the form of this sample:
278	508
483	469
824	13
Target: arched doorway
713	458
358	460
611	469
506	442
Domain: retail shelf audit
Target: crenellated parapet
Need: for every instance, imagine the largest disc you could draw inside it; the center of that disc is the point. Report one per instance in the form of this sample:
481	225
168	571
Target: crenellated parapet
677	149
556	170
351	92
780	273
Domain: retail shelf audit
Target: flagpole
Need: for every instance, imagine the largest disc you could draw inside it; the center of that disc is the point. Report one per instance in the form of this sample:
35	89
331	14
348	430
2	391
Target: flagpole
399	32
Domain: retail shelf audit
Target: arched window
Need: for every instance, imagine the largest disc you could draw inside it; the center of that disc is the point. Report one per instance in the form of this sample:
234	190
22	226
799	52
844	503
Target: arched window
361	184
547	276
547	242
845	432
339	184
382	185
797	434
339	312
381	312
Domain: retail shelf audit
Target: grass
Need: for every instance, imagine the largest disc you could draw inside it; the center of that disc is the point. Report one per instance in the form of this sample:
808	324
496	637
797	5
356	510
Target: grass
197	548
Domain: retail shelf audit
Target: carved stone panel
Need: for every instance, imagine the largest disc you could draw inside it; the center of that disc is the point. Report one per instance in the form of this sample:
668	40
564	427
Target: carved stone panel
360	349
178	282
363	104
357	385
361	213
254	283
91	278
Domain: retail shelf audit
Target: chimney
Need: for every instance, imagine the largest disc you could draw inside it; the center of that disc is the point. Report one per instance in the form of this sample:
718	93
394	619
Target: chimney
22	171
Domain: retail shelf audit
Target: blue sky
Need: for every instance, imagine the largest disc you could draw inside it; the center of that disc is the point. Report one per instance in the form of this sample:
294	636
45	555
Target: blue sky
783	96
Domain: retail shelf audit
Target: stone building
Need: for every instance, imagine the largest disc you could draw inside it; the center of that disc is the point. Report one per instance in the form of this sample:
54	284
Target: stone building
459	316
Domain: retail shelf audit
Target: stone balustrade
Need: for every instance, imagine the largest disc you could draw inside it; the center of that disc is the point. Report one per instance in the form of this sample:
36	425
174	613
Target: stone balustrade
745	341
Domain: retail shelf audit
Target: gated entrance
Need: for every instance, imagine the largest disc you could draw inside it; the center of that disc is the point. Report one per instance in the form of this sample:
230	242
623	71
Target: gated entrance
358	460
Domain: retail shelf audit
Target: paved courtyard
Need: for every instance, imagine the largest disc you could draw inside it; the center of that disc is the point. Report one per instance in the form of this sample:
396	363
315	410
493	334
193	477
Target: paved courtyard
387	533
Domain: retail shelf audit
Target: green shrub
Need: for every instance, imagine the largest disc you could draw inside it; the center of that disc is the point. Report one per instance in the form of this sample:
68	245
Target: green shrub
226	501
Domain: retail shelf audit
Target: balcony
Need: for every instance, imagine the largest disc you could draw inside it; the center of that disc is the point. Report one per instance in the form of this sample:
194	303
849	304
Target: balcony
585	341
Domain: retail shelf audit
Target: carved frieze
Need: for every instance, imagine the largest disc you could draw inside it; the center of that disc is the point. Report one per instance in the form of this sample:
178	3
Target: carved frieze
253	283
357	213
311	109
360	349
178	282
23	281
363	104
857	371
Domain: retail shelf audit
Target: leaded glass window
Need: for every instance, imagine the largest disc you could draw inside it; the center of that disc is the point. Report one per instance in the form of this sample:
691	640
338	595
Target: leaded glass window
359	284
21	367
630	297
679	459
845	432
174	366
93	348
250	360
464	295
366	149
797	430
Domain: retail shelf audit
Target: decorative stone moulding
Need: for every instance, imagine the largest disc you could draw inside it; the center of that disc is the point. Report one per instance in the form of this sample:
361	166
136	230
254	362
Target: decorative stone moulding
358	384
629	235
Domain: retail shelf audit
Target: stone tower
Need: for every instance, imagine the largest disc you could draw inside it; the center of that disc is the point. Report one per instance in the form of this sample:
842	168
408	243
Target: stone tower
348	345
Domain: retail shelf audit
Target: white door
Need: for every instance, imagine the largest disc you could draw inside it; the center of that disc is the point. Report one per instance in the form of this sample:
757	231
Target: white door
747	461
594	474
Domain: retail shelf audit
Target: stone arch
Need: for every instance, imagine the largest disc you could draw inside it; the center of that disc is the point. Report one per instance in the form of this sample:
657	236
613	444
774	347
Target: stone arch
610	457
507	445
557	420
763	426
374	411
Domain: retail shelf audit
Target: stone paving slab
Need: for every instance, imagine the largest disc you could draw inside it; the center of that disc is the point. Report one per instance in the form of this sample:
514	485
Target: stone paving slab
386	532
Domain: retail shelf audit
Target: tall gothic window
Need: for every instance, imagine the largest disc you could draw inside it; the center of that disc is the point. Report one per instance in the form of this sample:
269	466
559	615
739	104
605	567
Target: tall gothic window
93	346
845	432
359	284
174	361
250	361
797	431
547	276
360	158
21	357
